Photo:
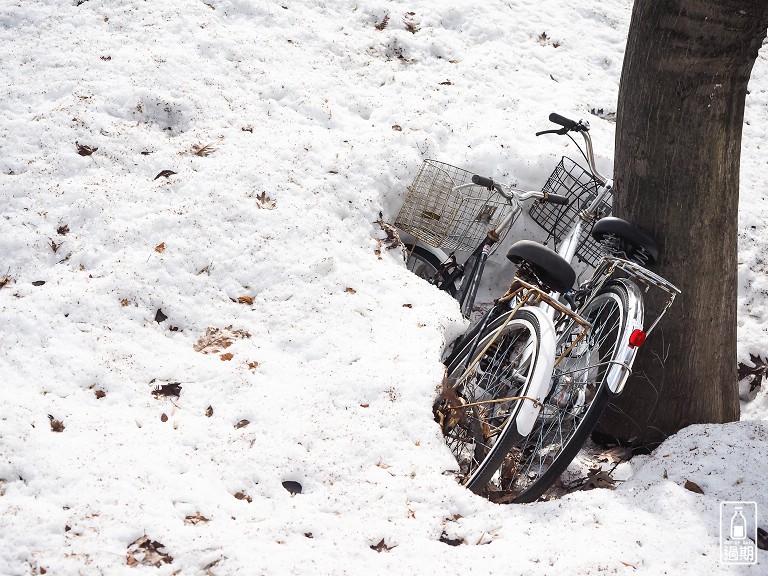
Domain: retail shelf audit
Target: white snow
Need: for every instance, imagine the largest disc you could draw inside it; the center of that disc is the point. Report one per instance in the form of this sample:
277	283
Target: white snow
316	121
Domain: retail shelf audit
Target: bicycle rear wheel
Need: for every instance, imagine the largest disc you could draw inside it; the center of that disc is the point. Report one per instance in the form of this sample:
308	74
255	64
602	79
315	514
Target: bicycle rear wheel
582	384
478	416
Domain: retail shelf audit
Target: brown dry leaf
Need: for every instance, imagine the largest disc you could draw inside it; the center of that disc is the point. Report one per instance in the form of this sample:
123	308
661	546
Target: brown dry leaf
147	552
253	365
693	487
381	546
598	478
170	389
242	424
84	150
160	248
243	496
163	417
245	300
100	394
615	454
124	302
265	202
196	519
350	290
209	411
205	150
383	24
217	339
226	357
56	425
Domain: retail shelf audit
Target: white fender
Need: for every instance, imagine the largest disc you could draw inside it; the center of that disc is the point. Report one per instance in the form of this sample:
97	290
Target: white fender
541	378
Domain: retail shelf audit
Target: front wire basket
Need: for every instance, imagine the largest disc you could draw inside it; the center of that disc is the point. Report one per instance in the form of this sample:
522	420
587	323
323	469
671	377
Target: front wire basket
444	218
571	180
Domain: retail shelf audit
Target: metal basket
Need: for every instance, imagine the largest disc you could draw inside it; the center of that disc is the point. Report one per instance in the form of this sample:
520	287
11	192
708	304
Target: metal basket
570	179
444	218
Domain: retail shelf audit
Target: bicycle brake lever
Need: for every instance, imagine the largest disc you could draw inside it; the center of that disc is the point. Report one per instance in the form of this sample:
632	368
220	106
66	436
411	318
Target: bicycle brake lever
561	132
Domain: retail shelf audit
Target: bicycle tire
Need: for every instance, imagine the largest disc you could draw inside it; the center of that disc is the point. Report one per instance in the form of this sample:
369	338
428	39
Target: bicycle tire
481	435
425	265
578	396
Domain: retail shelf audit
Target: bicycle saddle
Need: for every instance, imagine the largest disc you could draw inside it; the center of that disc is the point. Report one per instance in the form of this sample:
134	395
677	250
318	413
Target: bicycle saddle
634	243
548	265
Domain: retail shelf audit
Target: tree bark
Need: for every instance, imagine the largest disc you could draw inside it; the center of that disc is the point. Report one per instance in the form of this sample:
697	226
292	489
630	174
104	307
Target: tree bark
678	143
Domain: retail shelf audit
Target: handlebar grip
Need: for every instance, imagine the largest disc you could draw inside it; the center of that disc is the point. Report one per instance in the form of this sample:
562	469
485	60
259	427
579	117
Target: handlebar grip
483	181
557	199
563	121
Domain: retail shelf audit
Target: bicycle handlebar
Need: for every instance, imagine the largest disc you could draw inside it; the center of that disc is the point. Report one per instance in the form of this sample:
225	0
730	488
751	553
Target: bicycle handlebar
488	183
582	127
568	123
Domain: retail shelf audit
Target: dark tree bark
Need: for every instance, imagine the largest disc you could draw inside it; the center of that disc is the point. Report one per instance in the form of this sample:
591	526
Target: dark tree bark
678	142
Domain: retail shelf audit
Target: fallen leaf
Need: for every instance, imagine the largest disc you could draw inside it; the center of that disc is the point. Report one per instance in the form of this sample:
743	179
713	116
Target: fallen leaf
242	424
209	411
383	24
196	519
350	290
243	496
206	150
397	128
407	305
84	150
245	300
292	486
38	282
265	201
253	365
160	317
693	487
147	552
381	546
124	302
160	248
450	541
163	417
226	357
56	425
62	230
218	339
100	394
170	389
164	174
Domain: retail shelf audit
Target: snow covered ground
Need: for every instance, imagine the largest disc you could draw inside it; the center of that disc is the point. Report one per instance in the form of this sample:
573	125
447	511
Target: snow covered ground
177	347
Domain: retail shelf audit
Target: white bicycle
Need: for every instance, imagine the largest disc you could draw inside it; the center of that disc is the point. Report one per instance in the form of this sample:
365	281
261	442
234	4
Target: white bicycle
526	385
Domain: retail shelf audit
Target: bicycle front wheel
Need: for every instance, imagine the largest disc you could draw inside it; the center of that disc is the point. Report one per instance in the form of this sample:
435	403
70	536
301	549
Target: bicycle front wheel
582	384
478	415
425	265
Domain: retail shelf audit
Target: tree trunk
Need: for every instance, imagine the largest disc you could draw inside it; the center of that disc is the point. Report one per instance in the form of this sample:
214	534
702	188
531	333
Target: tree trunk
678	142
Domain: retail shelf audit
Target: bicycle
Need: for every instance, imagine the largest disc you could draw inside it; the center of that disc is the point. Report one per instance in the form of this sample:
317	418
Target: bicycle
525	387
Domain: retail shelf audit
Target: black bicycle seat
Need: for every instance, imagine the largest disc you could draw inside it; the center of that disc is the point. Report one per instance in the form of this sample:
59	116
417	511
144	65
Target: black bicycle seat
548	265
632	237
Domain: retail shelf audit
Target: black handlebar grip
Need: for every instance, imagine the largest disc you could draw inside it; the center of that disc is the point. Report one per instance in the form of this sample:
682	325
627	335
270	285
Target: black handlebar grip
563	121
557	199
483	181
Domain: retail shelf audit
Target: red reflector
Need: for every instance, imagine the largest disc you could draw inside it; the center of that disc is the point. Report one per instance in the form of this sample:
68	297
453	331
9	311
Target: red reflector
637	338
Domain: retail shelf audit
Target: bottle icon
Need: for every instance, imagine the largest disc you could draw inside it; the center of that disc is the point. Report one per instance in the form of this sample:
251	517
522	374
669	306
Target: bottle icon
738	525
